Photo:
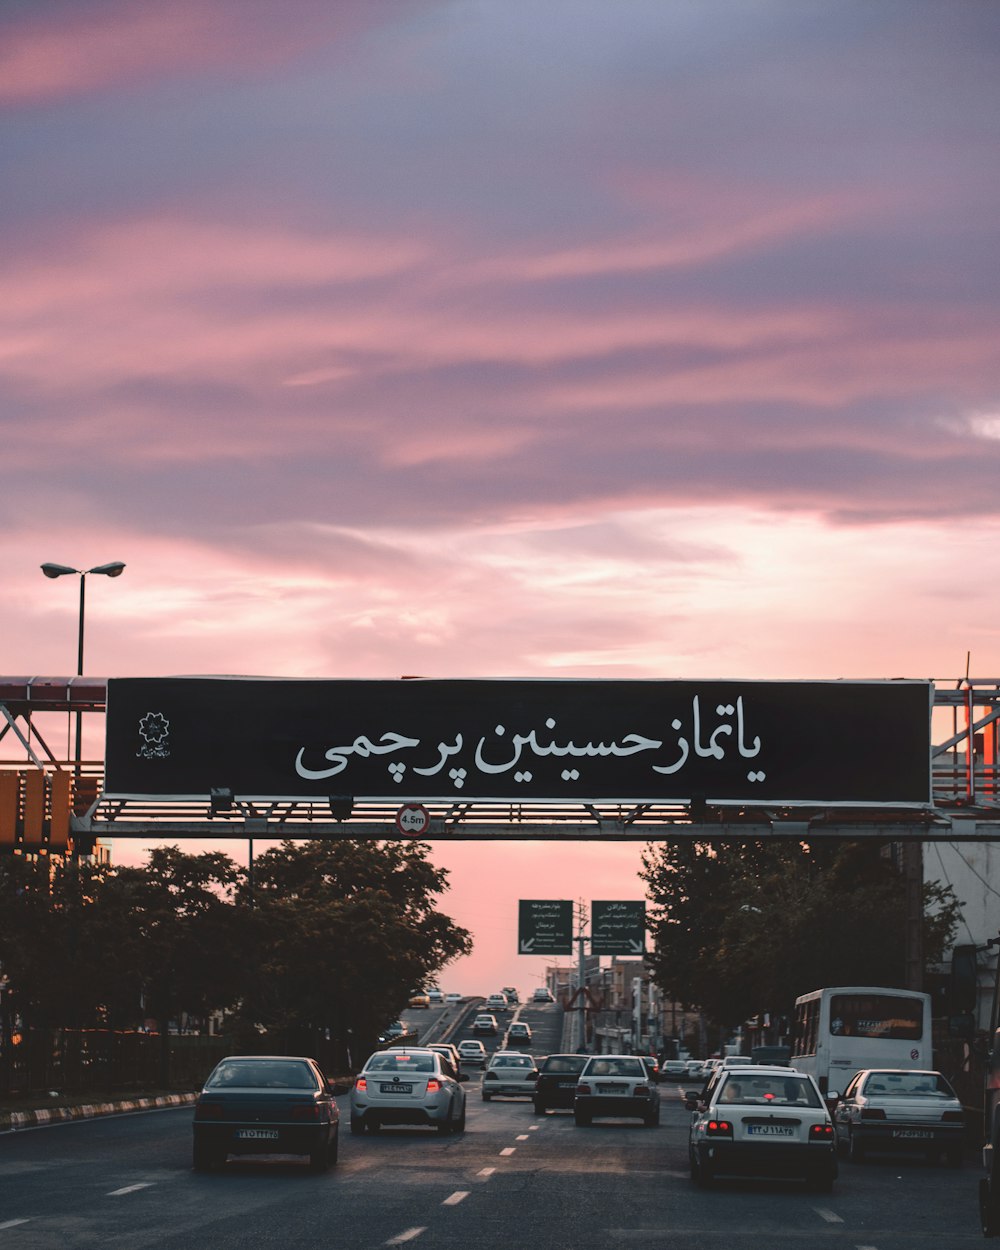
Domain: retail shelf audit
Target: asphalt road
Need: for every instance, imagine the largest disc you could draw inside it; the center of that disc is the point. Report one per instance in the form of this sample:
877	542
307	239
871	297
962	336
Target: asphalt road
512	1180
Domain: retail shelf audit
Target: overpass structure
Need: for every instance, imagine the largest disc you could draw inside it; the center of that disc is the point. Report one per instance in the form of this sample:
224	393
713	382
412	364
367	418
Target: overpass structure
51	803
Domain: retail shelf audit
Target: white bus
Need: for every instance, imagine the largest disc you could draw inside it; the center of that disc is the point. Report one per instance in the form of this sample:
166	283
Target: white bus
841	1030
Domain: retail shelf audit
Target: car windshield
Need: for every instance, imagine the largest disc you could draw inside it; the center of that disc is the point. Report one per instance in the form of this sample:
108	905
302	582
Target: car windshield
511	1061
262	1074
564	1063
769	1091
908	1085
388	1062
615	1066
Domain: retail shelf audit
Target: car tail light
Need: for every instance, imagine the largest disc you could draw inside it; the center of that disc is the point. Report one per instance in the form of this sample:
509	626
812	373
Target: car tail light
821	1132
872	1113
719	1128
953	1117
209	1111
641	1091
433	1086
490	1076
304	1111
583	1090
361	1084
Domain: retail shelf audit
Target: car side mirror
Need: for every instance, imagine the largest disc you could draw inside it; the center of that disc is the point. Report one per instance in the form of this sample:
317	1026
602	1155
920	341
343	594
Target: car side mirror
691	1102
533	1074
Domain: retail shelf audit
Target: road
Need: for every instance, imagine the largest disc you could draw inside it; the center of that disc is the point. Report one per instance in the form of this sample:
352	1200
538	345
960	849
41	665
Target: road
512	1179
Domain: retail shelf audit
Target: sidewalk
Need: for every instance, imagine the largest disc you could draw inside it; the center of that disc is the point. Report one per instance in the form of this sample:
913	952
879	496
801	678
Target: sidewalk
12	1121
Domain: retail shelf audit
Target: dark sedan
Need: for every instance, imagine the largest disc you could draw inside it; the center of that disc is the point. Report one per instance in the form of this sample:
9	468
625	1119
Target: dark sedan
556	1084
266	1104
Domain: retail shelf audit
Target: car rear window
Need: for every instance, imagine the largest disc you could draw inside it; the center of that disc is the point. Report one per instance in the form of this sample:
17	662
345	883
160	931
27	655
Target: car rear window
908	1085
766	1091
564	1063
260	1075
616	1067
386	1062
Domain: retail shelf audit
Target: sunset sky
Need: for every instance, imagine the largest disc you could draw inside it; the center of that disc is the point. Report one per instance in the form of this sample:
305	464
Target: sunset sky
539	338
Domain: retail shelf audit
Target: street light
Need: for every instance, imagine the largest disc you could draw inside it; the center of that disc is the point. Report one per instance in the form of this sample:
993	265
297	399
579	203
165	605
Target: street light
115	569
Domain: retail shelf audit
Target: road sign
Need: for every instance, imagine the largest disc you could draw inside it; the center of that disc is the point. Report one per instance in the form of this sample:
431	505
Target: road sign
618	928
413	819
545	927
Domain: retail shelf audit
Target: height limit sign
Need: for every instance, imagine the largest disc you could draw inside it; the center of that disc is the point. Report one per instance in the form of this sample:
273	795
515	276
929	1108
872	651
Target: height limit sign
618	928
544	926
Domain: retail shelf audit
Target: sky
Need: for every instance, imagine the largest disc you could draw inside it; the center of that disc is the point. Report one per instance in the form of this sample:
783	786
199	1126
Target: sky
532	338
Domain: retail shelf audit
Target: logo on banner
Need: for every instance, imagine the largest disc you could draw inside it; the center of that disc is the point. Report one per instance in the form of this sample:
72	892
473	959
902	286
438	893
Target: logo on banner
154	737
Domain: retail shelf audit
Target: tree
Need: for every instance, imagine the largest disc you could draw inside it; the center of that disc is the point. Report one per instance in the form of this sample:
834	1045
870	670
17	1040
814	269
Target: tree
344	931
745	927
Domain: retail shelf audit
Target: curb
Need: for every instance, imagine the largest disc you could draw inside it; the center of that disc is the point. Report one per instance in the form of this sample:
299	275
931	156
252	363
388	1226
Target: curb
11	1122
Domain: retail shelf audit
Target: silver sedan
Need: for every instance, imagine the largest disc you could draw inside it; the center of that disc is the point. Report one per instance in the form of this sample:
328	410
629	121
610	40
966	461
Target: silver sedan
412	1086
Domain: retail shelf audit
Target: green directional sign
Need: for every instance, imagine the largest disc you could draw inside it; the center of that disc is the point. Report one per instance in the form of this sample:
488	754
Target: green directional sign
544	926
618	928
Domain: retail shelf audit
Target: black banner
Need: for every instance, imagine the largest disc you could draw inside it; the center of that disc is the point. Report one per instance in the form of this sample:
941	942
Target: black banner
807	743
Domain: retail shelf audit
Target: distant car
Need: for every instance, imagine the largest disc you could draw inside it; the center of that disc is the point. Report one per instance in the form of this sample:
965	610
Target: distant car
519	1031
454	998
396	1029
407	1086
762	1121
497	1002
485	1024
696	1070
673	1070
542	995
420	1000
556	1084
435	997
449	1051
616	1085
652	1066
900	1110
265	1104
511	995
511	1074
472	1052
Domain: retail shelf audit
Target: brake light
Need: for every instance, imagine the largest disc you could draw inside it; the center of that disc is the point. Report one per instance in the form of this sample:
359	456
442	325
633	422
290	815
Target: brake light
361	1084
433	1086
719	1128
641	1091
583	1090
209	1111
304	1111
872	1113
953	1117
821	1132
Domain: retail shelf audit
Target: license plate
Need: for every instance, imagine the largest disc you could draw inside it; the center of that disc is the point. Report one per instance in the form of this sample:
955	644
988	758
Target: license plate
610	1089
770	1130
396	1088
567	1084
257	1134
913	1134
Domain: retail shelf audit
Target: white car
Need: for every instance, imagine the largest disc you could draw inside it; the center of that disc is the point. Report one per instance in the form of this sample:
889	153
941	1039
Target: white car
900	1109
616	1085
542	995
410	1086
497	1002
454	998
511	1074
762	1121
472	1052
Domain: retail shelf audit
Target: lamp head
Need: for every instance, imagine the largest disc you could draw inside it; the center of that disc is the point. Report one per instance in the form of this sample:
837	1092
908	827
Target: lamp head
58	570
114	569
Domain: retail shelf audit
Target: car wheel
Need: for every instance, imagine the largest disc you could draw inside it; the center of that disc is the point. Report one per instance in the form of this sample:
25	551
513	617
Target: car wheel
486	1097
953	1156
855	1148
333	1152
357	1125
539	1107
704	1174
460	1126
373	1125
205	1159
989	1209
821	1183
319	1159
583	1118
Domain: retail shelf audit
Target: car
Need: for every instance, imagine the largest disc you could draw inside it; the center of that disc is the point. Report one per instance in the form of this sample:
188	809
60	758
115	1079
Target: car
673	1070
900	1109
396	1029
454	998
555	1088
652	1066
265	1104
696	1070
511	995
497	1002
519	1031
407	1086
435	997
509	1073
449	1051
472	1052
616	1085
485	1024
762	1121
420	1000
542	995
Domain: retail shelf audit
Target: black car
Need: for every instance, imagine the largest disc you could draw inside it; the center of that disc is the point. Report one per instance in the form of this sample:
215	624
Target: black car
556	1085
266	1104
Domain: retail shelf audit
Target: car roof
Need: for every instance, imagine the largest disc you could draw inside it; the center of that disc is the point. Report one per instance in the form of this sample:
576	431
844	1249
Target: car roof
511	1054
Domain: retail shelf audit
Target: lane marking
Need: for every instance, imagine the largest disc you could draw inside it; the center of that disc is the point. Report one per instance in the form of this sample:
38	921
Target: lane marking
13	1223
508	1150
486	1171
129	1189
454	1199
532	1128
521	1137
831	1217
408	1235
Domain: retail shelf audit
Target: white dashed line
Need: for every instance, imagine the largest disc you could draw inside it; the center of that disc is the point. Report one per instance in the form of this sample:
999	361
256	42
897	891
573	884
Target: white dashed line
408	1235
521	1137
12	1223
454	1199
831	1217
129	1189
486	1171
508	1150
532	1128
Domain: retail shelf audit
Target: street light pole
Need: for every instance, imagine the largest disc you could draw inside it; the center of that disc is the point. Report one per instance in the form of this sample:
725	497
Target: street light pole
114	569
